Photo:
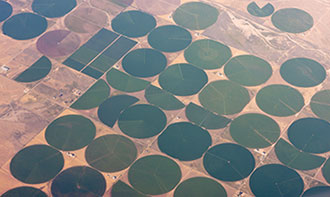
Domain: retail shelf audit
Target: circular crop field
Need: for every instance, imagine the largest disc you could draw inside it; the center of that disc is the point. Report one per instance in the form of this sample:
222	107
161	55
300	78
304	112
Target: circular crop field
265	11
248	70
154	175
133	23
200	186
303	72
58	43
36	71
24	191
254	130
134	124
310	135
320	104
53	8
183	79
111	153
228	162
276	180
224	97
207	54
326	170
184	141
78	181
280	100
24	26
144	62
36	164
169	38
318	191
5	10
157	7
292	20
71	132
195	15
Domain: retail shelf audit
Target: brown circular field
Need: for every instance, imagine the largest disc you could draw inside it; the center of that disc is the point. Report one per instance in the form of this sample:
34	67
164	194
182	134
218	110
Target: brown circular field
159	7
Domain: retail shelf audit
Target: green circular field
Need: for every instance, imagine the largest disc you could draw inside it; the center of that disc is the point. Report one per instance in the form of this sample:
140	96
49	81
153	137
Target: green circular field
228	162
142	121
326	170
144	62
154	175
109	111
224	97
200	186
310	135
280	100
169	38
183	79
133	23
254	130
184	141
24	26
79	181
36	164
53	8
320	104
276	180
318	191
257	11
24	191
111	153
36	71
71	132
5	10
292	20
195	15
121	189
248	70
303	72
207	54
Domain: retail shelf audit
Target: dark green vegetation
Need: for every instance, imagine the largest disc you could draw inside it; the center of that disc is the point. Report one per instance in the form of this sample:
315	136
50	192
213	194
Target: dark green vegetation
294	158
228	162
254	130
310	135
280	100
79	181
320	104
154	175
205	118
144	62
326	170
24	191
124	82
134	124
109	57
122	3
36	164
87	52
303	72
133	23
265	11
121	189
169	38
53	8
207	54
319	191
162	98
109	111
111	153
70	132
183	79
200	186
248	70
276	180
5	10
292	20
36	71
24	26
224	97
184	141
93	97
195	15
